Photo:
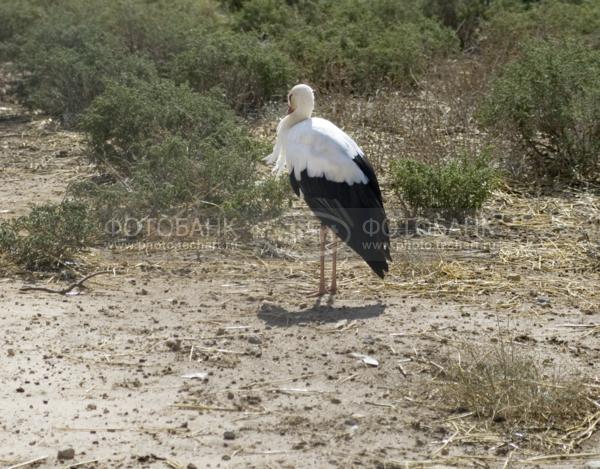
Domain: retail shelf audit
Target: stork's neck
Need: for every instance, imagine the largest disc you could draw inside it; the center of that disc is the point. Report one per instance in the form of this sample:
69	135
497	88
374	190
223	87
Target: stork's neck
292	119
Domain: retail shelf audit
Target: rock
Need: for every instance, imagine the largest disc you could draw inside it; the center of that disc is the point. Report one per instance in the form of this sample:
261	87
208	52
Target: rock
543	301
174	345
255	340
68	453
191	466
20	389
229	435
11	352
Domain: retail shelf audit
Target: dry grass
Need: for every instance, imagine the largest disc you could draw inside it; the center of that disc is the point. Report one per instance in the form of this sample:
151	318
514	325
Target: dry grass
514	400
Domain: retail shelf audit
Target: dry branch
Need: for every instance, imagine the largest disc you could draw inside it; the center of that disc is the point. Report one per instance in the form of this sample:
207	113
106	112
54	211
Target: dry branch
71	287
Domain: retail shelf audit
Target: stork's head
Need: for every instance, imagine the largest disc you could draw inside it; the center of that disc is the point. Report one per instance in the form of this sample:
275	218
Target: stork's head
301	101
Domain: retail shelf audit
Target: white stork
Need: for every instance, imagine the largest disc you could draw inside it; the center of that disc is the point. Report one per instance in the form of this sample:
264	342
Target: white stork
336	181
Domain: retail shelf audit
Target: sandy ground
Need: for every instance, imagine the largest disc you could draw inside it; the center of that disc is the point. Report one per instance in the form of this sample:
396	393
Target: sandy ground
277	384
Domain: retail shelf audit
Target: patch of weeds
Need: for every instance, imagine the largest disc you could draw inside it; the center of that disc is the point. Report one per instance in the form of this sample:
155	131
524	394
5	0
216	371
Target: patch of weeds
49	236
451	190
510	391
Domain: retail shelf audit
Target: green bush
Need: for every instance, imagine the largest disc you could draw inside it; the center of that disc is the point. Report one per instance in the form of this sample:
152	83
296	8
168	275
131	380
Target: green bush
510	24
159	29
77	47
49	236
462	16
548	103
68	64
170	147
351	44
16	18
249	71
451	191
127	119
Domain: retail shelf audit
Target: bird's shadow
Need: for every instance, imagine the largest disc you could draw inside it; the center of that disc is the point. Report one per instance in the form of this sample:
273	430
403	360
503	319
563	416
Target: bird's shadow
276	316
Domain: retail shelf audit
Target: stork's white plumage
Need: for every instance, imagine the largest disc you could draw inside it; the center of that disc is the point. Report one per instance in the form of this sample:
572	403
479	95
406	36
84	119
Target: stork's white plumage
335	179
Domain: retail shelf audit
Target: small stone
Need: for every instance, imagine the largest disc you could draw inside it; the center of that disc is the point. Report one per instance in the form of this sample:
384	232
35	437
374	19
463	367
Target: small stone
174	345
191	466
143	291
20	389
229	435
335	400
91	407
254	339
543	301
11	352
68	453
226	457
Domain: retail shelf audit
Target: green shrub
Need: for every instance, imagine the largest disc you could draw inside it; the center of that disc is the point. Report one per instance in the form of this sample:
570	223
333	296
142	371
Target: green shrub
450	190
16	18
548	103
159	29
68	65
351	44
127	119
249	71
510	24
170	147
49	236
462	16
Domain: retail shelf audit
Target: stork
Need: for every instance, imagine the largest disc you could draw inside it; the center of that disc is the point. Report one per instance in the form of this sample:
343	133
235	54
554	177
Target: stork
337	182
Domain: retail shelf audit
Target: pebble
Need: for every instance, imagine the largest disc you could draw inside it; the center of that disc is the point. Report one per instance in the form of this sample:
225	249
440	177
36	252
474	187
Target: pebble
543	301
229	435
68	453
174	345
254	339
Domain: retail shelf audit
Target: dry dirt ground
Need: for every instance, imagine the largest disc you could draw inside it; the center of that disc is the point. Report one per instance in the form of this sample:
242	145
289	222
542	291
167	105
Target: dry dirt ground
104	372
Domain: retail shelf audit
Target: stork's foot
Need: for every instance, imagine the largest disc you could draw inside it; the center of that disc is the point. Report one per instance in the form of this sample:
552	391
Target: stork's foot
332	290
316	294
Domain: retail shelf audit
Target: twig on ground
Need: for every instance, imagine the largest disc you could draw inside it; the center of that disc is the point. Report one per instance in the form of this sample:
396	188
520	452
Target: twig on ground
31	462
71	287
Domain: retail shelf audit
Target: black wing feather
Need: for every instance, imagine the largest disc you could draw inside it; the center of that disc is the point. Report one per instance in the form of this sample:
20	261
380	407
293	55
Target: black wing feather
355	212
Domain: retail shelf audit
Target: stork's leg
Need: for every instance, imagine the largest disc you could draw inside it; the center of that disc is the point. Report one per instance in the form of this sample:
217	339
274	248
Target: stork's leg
322	239
334	244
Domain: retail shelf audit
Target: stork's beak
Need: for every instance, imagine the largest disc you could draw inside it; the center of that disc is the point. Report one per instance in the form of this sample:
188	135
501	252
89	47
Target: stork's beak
290	109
